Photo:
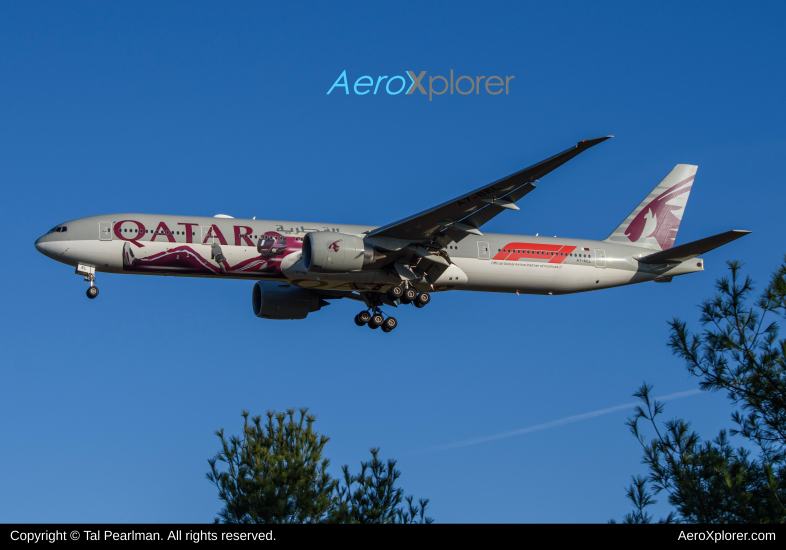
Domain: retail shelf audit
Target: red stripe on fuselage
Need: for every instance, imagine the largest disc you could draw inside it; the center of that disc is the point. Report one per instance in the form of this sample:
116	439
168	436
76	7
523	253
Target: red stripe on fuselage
553	253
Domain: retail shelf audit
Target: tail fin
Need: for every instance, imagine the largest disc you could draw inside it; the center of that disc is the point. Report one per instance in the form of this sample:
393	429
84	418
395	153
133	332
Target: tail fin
655	221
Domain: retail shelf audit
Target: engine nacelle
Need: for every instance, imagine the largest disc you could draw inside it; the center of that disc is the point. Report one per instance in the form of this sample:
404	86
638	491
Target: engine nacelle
272	300
328	252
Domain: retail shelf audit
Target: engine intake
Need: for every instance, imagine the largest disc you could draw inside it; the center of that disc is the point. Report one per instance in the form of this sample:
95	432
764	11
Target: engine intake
272	300
328	252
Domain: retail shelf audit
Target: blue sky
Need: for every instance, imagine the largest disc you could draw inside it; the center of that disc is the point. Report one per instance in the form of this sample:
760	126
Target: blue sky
108	407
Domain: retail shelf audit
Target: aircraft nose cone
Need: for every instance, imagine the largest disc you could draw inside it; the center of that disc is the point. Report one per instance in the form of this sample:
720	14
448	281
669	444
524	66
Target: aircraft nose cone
40	245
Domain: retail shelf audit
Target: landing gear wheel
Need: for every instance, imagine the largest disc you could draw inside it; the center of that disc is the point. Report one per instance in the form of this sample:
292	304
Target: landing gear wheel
376	320
410	295
362	318
389	324
395	293
419	304
92	292
423	299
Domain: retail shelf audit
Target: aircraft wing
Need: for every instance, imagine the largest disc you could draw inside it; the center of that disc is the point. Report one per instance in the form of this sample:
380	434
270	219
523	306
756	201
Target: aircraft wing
465	214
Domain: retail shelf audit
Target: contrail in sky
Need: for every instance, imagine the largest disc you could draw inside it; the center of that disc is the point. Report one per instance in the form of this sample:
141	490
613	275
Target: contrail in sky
552	424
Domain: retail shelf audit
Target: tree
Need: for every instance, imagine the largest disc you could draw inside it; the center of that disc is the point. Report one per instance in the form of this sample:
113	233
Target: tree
275	473
738	352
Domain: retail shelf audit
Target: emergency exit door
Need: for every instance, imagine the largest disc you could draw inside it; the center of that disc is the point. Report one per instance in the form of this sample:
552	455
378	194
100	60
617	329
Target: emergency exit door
483	250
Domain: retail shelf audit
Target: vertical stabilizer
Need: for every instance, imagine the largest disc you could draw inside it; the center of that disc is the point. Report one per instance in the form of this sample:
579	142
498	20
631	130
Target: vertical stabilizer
655	222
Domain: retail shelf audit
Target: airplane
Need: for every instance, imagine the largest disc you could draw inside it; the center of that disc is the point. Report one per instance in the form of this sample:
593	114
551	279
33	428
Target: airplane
298	267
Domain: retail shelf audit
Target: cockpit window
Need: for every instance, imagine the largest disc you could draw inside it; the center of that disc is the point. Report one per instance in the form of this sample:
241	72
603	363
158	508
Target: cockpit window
64	229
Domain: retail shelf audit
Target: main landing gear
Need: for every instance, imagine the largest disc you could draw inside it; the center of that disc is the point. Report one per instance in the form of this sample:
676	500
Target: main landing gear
409	296
90	276
375	320
373	316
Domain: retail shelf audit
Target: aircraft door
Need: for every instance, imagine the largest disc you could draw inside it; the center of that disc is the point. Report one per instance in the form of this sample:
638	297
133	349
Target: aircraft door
600	258
105	231
483	250
207	235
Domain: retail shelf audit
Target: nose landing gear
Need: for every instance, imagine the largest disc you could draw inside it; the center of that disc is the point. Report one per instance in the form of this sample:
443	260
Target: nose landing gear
90	276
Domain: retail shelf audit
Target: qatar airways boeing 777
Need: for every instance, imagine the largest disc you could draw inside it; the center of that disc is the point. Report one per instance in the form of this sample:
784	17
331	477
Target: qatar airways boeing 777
298	266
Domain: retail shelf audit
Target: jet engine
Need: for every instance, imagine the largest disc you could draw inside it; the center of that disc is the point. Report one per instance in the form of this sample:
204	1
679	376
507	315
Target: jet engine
272	300
328	252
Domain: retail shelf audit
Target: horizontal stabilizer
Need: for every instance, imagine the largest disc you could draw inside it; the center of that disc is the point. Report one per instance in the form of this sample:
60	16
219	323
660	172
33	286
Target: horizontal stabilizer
685	252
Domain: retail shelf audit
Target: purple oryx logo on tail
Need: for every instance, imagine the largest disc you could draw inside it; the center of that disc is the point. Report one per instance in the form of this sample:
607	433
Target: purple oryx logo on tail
661	218
334	245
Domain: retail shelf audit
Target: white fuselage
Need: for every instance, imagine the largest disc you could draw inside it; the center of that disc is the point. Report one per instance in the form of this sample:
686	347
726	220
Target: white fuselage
269	250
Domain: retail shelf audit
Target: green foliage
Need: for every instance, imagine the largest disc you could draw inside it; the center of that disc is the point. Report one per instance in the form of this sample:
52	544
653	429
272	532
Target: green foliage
738	352
641	497
276	473
372	497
